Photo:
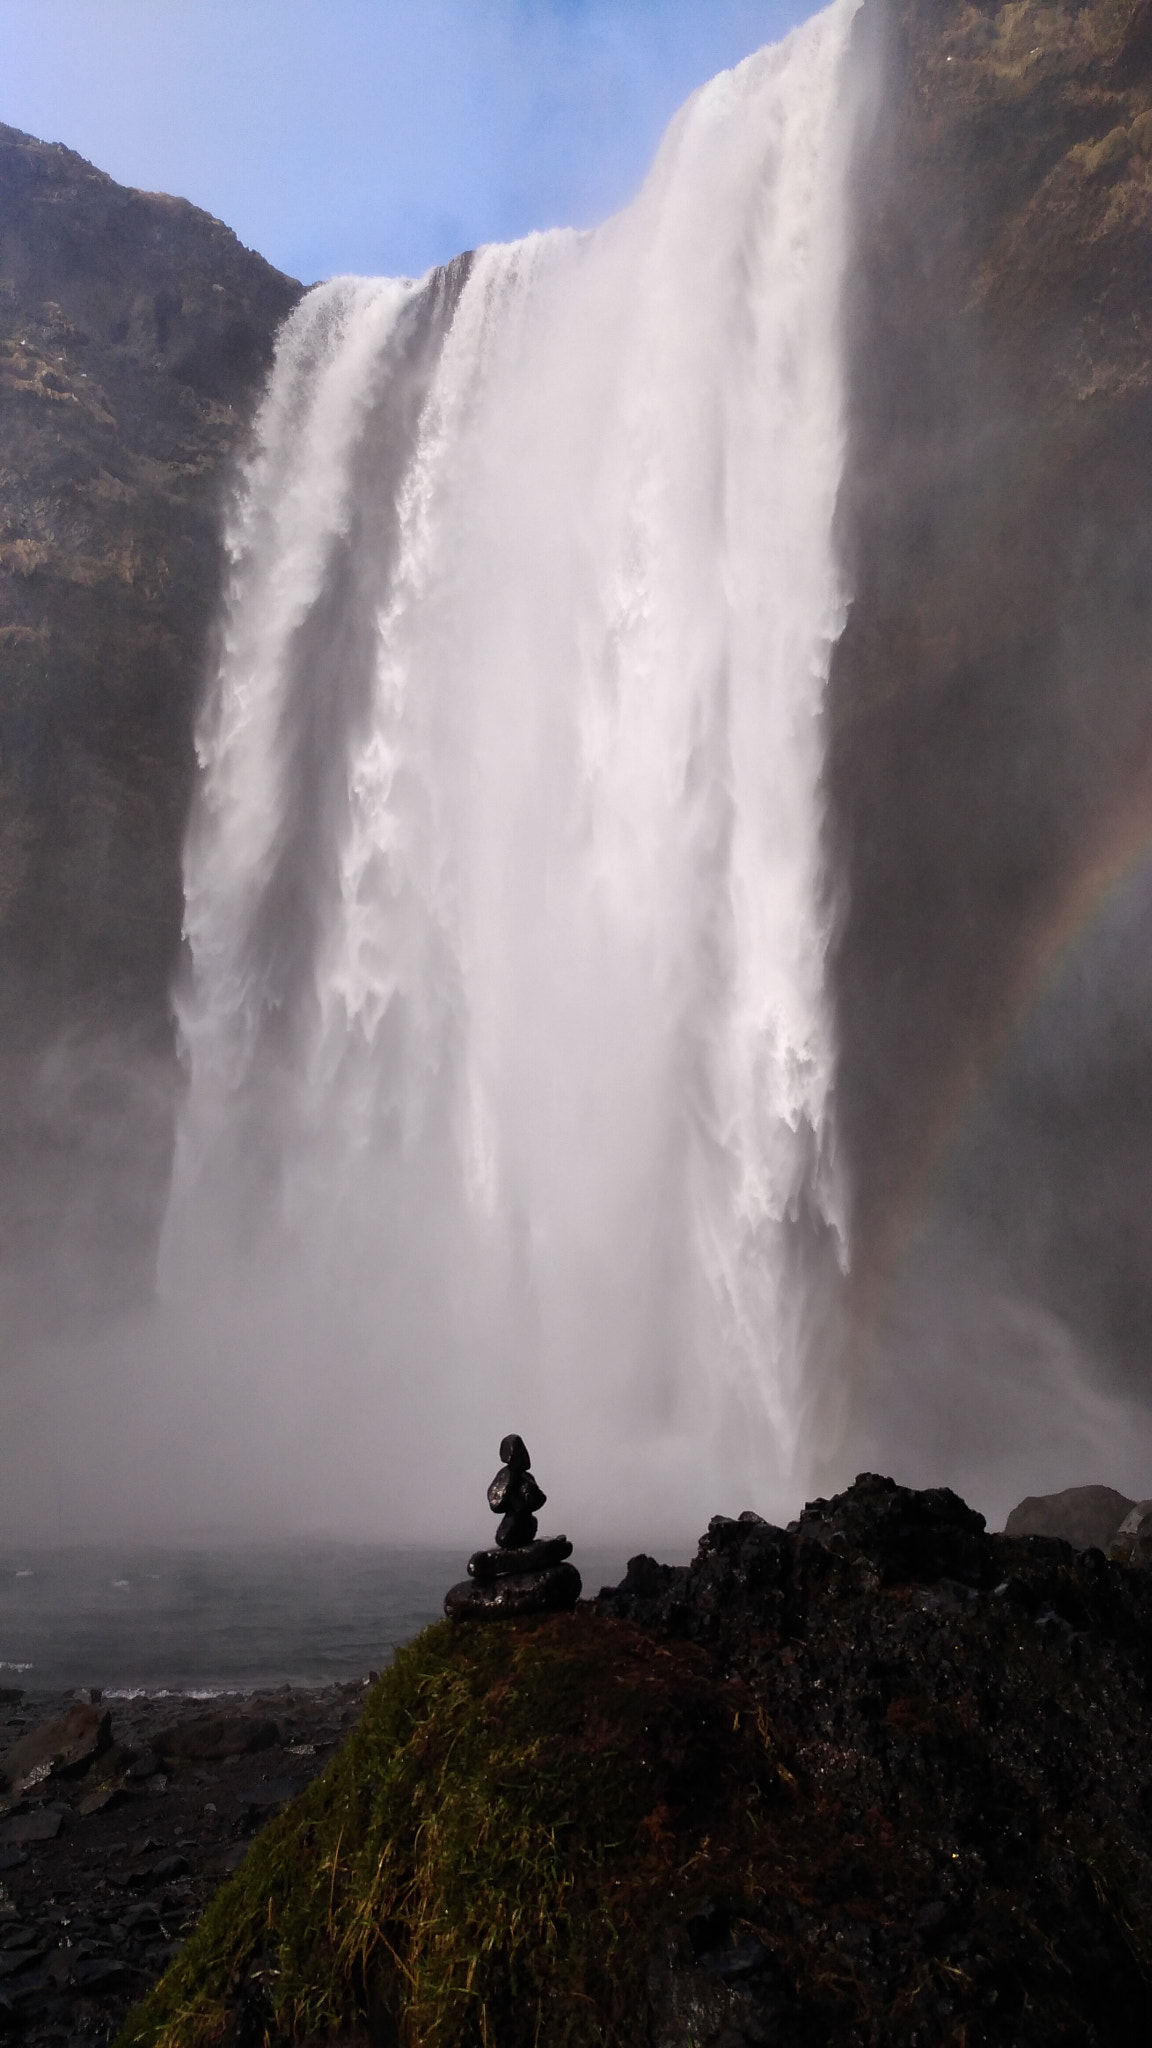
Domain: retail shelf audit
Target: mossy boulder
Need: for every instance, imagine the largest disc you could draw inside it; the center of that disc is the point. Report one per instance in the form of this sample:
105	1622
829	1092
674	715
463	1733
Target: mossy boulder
488	1857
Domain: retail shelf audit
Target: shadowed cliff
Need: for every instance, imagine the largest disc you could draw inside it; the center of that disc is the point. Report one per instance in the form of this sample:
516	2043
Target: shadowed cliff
135	332
990	765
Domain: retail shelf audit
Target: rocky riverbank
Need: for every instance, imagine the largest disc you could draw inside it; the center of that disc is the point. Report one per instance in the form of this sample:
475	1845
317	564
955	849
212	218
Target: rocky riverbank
120	1820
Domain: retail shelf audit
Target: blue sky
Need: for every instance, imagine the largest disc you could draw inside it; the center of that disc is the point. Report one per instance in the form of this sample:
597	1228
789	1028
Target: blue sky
372	135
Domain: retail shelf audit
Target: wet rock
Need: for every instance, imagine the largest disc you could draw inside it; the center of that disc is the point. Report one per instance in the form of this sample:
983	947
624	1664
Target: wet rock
41	1825
711	1989
90	1916
517	1530
212	1737
14	1961
99	1973
515	1495
527	1593
904	1534
531	1557
1088	1517
931	1694
520	1576
61	1748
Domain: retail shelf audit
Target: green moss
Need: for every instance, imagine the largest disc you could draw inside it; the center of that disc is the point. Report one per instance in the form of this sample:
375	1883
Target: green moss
484	1861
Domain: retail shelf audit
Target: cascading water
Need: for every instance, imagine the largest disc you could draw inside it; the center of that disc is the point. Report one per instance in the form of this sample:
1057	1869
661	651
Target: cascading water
509	1058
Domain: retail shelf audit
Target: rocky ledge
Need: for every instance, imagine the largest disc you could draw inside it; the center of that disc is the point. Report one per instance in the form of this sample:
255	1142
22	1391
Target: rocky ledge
877	1778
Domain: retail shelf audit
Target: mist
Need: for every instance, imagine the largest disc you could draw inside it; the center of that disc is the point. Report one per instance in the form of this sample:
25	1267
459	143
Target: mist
664	896
502	1014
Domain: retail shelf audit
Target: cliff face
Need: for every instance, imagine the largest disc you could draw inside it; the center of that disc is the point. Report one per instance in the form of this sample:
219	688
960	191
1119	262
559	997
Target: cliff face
990	733
134	335
991	743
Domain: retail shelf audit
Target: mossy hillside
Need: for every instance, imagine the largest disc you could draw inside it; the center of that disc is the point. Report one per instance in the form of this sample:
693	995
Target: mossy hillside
488	1857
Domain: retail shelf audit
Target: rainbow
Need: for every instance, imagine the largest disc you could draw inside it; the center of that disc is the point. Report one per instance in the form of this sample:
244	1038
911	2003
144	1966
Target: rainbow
1079	902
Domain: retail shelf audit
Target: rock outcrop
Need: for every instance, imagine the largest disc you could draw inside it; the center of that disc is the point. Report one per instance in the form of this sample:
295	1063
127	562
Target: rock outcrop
134	335
1089	1517
991	744
877	1778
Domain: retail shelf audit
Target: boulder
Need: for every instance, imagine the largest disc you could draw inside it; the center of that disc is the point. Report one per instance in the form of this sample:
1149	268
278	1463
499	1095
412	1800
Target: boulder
531	1557
43	1824
1087	1517
522	1593
212	1737
59	1749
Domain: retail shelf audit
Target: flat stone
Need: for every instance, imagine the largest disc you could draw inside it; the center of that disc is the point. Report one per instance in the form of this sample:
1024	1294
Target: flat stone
530	1557
17	1959
58	1748
41	1825
212	1737
99	1973
99	1802
545	1592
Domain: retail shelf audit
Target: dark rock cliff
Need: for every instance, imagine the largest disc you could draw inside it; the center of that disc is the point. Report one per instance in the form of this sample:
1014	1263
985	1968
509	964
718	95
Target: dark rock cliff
990	767
134	335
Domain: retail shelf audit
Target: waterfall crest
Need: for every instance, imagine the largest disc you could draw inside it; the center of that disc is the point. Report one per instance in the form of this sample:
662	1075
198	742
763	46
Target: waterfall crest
509	1057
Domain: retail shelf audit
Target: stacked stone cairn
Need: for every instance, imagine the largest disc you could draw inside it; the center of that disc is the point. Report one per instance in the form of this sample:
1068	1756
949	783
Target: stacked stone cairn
520	1575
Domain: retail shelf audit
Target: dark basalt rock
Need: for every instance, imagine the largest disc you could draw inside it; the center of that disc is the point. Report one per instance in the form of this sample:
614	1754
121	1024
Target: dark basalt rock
902	1534
543	1592
517	1530
752	1586
521	1576
960	1721
515	1495
531	1557
1085	1516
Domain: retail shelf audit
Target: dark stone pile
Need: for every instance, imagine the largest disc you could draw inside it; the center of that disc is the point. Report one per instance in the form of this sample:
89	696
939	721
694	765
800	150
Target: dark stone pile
960	1846
521	1575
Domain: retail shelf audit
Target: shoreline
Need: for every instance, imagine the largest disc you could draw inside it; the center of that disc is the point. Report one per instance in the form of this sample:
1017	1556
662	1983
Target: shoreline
105	1873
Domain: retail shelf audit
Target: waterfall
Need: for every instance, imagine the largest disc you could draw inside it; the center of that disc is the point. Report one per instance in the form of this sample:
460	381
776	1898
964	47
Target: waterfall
509	1057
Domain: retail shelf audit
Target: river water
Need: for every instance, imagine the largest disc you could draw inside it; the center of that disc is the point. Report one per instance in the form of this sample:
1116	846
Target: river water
223	1618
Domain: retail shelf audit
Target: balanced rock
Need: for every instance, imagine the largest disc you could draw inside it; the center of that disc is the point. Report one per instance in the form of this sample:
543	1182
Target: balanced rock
515	1495
521	1575
530	1557
551	1591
